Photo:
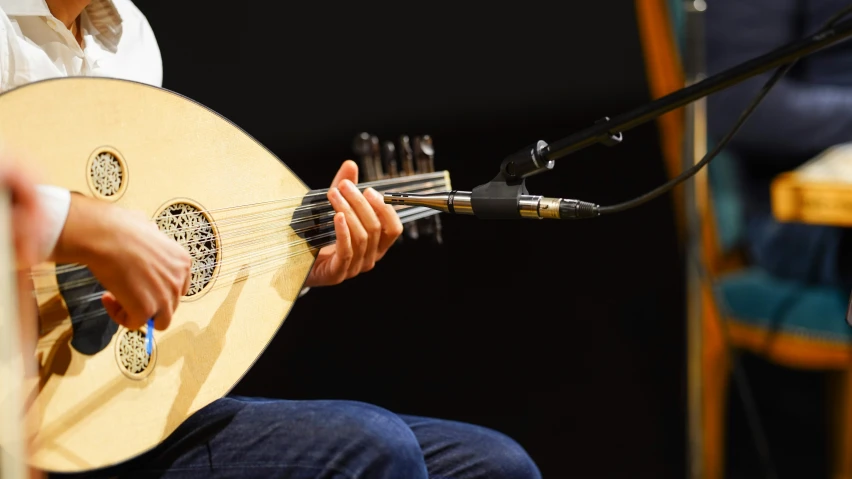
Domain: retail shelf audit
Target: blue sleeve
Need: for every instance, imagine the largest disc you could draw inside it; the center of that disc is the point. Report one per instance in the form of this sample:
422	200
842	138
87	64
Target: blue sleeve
795	118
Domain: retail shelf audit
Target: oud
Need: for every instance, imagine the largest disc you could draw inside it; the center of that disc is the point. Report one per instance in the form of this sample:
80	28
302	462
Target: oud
252	227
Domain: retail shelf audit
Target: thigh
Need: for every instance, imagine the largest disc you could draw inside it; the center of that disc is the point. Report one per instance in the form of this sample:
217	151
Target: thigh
456	450
259	438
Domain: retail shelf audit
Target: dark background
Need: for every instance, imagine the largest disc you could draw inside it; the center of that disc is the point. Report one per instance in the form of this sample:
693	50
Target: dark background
567	336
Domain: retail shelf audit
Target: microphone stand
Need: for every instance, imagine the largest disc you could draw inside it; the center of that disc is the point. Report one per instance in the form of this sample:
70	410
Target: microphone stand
694	148
500	198
506	196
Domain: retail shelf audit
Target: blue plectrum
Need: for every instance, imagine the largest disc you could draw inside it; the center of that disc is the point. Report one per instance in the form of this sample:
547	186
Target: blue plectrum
149	338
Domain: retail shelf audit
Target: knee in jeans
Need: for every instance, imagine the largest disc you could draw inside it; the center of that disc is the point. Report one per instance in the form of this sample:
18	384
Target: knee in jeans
506	458
385	440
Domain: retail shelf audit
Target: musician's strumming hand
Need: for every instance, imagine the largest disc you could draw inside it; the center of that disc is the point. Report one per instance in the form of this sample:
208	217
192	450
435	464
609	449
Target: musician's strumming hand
365	228
144	272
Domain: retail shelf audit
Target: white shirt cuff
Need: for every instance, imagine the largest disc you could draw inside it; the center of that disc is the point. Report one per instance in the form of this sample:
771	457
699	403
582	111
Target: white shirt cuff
55	204
304	291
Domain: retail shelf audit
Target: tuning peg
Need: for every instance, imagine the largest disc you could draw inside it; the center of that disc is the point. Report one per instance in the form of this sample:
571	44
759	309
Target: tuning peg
363	148
390	166
406	155
424	154
407	159
389	159
376	156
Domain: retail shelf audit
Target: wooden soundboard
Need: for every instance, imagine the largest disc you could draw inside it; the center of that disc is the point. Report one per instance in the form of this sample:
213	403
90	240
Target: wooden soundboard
818	192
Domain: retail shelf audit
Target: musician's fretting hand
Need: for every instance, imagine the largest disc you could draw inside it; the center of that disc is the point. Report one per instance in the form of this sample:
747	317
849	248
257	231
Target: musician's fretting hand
365	227
28	216
144	272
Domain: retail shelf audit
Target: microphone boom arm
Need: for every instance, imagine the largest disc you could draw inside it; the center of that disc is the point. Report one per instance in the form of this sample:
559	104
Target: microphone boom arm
506	196
609	131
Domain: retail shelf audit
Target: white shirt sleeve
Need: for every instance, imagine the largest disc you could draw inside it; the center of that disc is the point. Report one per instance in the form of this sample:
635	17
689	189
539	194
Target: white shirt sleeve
5	54
55	203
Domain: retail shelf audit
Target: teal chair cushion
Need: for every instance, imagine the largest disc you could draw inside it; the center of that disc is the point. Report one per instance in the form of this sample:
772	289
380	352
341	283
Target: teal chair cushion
728	208
753	297
677	17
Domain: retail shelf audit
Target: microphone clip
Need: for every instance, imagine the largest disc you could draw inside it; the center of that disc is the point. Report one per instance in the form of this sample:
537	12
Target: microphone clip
504	197
501	197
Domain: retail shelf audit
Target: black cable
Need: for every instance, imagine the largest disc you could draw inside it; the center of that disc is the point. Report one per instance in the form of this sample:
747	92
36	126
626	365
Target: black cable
743	387
746	394
660	190
780	72
838	16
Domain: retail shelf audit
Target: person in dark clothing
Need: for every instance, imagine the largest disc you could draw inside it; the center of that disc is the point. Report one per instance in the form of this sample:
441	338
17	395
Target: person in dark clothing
808	111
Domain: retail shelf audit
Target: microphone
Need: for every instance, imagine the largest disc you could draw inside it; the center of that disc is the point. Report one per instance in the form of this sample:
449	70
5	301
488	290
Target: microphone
485	206
506	196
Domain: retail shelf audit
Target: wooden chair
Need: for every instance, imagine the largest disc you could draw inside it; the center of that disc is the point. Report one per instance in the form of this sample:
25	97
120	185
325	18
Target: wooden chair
791	324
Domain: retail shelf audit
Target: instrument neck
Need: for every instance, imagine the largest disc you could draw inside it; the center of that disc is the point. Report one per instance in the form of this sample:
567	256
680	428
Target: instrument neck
317	211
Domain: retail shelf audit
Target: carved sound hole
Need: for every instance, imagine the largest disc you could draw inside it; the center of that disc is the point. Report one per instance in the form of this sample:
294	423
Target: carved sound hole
192	228
132	353
107	174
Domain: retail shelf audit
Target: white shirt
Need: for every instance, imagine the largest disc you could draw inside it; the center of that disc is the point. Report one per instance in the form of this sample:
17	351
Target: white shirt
118	42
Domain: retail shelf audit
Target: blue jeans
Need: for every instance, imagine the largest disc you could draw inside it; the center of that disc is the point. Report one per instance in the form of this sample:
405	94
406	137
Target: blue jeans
238	437
811	254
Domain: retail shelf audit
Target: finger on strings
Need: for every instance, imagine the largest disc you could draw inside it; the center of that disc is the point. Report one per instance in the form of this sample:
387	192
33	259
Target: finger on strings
357	233
391	225
340	262
370	222
348	171
332	266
